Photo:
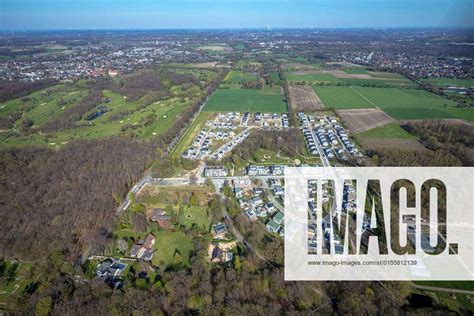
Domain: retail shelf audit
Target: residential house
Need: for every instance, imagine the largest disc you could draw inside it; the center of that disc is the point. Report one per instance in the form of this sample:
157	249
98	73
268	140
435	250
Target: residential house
215	171
278	190
251	215
273	226
256	201
278	218
143	250
270	207
220	229
161	218
220	256
110	268
239	192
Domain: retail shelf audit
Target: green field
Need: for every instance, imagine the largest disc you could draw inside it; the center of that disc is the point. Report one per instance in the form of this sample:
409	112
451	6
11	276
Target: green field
391	130
446	82
172	248
251	100
195	216
275	77
143	118
409	104
381	82
405	104
311	77
239	77
355	71
341	98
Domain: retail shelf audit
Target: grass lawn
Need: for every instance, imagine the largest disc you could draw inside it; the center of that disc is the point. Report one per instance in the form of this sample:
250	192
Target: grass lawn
14	288
391	130
311	77
413	104
243	100
264	156
341	98
239	77
171	247
127	232
44	105
196	216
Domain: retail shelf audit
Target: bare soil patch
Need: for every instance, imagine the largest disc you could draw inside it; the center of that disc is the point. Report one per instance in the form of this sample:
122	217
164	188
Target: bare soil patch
385	143
344	75
216	48
303	99
300	67
211	64
360	120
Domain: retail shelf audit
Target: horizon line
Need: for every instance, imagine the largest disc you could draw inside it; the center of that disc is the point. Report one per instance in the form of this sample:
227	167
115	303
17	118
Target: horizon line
232	28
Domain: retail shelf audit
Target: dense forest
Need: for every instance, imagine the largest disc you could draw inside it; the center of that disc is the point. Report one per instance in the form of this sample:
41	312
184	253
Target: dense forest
15	89
65	199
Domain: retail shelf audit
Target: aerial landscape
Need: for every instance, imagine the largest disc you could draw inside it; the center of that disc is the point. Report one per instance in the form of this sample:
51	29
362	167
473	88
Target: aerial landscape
142	168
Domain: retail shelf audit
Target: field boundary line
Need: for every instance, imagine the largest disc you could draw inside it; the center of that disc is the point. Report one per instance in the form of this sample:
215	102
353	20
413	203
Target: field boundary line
368	100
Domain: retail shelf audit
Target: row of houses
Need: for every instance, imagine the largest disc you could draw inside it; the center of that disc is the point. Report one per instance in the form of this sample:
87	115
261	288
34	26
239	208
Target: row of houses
230	145
215	171
257	170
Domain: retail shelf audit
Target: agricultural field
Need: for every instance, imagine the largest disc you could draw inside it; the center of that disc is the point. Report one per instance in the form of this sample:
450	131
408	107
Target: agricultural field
63	113
216	48
411	104
390	131
446	82
355	71
304	99
275	77
345	76
238	77
246	100
341	98
313	77
403	104
360	120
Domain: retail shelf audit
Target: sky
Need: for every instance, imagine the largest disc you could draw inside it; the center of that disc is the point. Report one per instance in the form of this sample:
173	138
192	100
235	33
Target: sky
198	14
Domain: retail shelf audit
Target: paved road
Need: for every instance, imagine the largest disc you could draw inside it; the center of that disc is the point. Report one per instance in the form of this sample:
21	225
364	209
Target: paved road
229	143
238	236
442	289
147	179
271	197
322	155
